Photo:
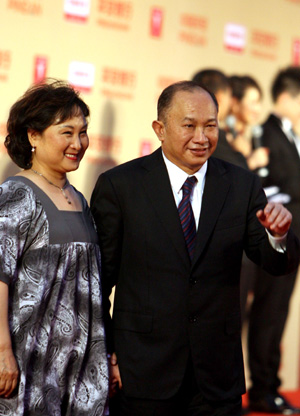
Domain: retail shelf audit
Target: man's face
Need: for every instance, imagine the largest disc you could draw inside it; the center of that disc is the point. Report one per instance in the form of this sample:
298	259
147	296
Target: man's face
189	135
293	108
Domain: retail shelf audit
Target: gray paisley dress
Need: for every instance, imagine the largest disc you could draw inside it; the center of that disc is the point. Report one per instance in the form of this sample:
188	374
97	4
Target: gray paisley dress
51	261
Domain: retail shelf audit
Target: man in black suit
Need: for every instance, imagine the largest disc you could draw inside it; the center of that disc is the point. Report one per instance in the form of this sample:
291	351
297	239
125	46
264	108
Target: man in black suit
174	339
271	296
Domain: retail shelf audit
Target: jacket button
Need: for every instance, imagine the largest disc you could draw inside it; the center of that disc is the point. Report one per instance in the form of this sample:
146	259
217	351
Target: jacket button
193	281
192	319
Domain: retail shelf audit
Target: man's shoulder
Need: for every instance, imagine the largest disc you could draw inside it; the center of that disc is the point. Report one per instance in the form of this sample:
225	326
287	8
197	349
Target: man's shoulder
134	165
237	176
273	135
271	123
227	167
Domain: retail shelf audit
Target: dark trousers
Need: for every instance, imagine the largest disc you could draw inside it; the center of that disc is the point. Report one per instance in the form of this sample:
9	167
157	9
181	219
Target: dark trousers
187	402
266	321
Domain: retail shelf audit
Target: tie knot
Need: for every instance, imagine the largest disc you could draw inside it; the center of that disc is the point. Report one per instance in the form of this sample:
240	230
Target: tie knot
189	185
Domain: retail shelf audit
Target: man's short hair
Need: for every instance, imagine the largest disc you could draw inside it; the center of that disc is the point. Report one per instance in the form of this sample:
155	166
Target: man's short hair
166	97
287	80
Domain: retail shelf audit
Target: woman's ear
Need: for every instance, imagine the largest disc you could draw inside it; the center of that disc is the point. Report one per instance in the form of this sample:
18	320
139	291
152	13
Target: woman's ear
32	137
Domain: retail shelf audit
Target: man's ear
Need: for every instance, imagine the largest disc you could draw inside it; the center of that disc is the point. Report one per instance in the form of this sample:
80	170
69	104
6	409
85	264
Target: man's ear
159	128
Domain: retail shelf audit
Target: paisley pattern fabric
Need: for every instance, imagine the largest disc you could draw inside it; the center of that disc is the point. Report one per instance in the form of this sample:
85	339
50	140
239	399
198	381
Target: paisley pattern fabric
54	305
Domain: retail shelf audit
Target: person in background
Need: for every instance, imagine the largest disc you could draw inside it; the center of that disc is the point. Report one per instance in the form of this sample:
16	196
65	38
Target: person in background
241	125
218	83
271	296
172	229
52	342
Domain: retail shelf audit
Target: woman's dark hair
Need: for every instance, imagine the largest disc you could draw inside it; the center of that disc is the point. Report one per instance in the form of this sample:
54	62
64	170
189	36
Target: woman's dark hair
42	105
239	85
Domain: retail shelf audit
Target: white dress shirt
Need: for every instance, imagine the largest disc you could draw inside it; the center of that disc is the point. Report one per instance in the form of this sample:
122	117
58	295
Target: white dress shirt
287	128
178	177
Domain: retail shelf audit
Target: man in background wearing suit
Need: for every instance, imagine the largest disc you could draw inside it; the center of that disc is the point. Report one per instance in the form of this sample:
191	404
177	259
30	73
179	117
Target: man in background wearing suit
172	227
269	309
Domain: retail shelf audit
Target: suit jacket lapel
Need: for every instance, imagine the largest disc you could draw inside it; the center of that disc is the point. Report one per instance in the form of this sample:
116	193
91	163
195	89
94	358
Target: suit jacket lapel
158	188
214	195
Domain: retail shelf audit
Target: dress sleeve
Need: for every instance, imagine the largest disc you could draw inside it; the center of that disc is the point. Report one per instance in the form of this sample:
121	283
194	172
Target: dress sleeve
17	210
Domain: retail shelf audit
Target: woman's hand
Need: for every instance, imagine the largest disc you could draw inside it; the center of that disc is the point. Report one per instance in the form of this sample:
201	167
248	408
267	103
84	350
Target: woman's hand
9	372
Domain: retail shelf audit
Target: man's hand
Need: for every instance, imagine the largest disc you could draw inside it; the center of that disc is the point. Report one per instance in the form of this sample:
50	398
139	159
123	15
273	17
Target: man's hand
115	382
9	372
275	218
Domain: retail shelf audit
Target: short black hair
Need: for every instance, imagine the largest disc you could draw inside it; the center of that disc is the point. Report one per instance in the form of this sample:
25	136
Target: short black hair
40	107
166	97
287	80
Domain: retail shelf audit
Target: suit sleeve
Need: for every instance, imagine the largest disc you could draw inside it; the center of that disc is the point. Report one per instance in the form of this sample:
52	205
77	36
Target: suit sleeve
107	215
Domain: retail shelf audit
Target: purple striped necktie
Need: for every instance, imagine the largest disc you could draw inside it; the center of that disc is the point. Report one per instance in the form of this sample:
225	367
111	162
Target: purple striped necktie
186	215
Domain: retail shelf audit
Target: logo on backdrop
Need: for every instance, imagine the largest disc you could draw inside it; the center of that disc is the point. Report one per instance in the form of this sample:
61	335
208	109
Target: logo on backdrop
102	147
193	29
156	22
32	7
40	68
77	10
82	75
115	14
145	147
235	37
264	45
5	64
162	82
3	133
296	52
118	83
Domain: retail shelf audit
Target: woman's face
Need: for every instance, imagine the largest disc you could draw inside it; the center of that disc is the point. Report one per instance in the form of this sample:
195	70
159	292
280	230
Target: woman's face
60	147
250	107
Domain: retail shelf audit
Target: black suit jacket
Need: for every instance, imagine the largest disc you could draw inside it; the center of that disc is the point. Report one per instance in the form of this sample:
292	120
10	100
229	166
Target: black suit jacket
167	309
284	166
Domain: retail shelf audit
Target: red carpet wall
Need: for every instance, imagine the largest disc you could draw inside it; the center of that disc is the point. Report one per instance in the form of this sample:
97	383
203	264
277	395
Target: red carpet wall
122	53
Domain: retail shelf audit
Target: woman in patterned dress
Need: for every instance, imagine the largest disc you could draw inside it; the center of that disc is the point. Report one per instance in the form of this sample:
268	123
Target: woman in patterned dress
52	342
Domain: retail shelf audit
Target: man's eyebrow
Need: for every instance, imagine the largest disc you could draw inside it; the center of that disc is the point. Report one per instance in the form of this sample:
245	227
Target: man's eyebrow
189	119
193	119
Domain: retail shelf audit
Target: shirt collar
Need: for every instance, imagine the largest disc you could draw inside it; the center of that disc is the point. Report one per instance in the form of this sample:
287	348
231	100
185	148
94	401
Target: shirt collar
286	124
178	176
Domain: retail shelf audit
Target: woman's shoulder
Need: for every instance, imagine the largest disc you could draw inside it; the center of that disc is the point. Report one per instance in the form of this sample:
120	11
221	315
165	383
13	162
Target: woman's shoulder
16	183
16	191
